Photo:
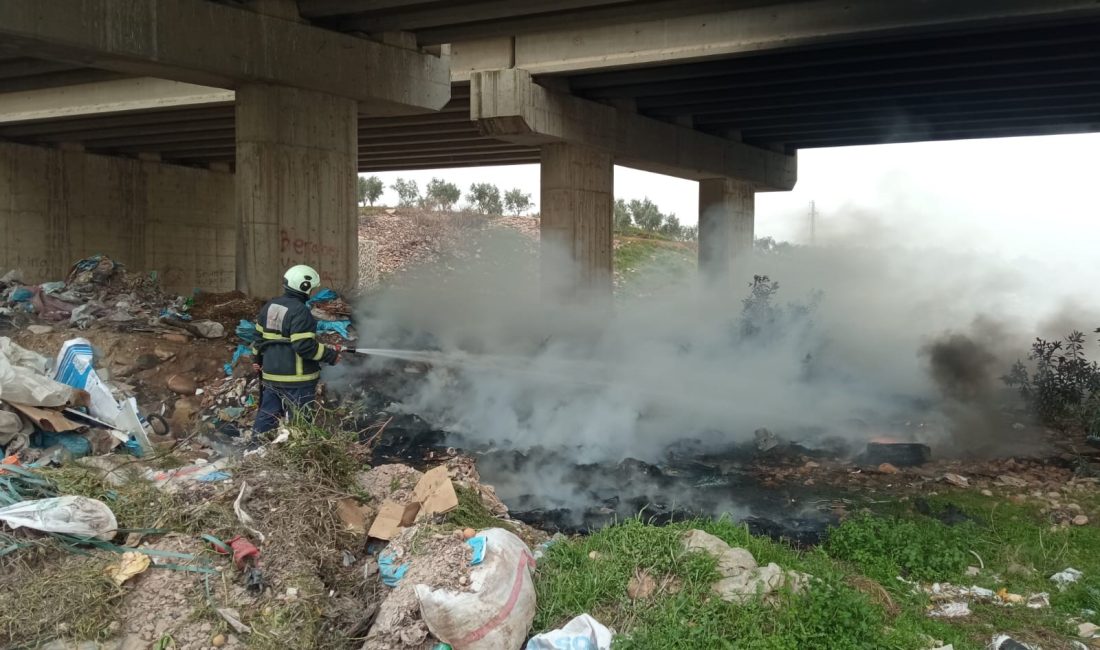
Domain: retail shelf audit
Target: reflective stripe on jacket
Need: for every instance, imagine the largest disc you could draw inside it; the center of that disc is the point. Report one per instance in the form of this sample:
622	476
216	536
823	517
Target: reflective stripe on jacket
287	348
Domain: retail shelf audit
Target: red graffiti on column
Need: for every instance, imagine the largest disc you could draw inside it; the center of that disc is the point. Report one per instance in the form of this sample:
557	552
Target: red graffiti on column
301	250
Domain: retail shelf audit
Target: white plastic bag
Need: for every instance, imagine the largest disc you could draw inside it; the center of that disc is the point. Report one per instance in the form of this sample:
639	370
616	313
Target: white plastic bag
23	379
581	633
497	611
71	515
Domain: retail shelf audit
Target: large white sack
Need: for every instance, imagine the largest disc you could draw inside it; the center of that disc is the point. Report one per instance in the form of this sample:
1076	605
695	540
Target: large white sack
23	379
496	613
71	515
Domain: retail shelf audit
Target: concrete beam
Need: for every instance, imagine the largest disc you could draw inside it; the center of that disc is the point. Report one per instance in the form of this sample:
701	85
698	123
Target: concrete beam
206	43
576	49
296	174
508	105
575	251
105	97
726	229
374	165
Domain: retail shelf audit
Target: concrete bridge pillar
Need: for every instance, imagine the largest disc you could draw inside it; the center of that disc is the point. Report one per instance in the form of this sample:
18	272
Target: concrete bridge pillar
576	224
726	220
296	175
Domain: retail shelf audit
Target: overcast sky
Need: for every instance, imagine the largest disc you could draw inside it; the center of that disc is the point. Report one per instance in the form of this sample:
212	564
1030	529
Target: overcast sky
1031	200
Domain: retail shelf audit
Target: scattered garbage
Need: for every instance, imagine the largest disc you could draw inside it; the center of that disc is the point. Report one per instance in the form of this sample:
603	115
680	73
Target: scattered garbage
1005	642
233	618
950	610
1088	631
581	632
541	549
130	564
1066	577
70	515
242	516
741	578
202	470
75	367
944	593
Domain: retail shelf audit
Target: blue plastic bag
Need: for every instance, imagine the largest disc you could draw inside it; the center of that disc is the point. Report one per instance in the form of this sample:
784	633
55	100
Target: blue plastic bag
324	295
391	573
134	447
76	444
246	331
241	351
21	294
168	312
477	543
338	326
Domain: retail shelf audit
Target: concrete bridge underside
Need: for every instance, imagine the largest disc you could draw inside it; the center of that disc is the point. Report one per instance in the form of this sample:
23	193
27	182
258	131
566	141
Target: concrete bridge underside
112	122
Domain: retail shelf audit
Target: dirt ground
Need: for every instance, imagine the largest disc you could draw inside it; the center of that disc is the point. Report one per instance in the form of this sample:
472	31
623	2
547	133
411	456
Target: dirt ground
318	582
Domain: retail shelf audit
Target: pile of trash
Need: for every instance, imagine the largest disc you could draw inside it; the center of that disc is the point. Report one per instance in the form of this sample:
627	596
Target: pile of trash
54	411
98	289
466	588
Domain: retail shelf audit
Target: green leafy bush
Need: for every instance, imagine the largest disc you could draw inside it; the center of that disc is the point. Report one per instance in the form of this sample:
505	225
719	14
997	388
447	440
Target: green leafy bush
886	548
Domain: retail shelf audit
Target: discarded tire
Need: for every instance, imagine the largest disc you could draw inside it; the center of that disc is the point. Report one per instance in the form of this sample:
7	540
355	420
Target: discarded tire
898	454
159	424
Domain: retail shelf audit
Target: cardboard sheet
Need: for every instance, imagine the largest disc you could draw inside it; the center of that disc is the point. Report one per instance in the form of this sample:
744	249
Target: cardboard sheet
47	419
392	517
435	493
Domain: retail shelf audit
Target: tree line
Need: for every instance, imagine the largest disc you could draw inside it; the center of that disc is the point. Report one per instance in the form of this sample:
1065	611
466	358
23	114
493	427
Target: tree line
645	215
484	198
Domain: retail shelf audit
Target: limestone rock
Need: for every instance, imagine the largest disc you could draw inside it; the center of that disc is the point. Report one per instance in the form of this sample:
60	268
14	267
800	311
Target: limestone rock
731	561
182	385
742	579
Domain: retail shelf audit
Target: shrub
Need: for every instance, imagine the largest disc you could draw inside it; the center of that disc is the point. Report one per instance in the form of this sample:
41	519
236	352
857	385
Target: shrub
441	195
1063	388
517	201
485	198
408	193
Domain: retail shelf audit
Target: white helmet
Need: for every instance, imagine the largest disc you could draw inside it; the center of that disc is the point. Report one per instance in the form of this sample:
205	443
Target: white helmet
301	278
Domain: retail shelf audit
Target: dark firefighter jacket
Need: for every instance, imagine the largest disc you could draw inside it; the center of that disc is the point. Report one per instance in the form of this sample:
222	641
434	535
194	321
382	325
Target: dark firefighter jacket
287	348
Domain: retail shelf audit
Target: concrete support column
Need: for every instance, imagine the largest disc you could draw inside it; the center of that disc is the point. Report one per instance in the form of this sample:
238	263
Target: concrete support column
576	224
726	219
296	176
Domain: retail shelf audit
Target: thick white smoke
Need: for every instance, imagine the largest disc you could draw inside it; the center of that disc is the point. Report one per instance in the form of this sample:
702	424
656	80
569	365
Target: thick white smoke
677	365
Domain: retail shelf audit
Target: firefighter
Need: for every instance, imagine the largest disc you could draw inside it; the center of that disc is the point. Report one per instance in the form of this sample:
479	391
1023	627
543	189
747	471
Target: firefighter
287	352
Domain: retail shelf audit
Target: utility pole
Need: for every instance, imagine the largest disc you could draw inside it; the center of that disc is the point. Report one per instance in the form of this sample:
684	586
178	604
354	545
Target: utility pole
813	223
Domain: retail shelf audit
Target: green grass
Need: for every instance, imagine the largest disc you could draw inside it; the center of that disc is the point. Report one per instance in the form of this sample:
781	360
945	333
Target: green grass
650	263
855	600
887	547
831	614
472	513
